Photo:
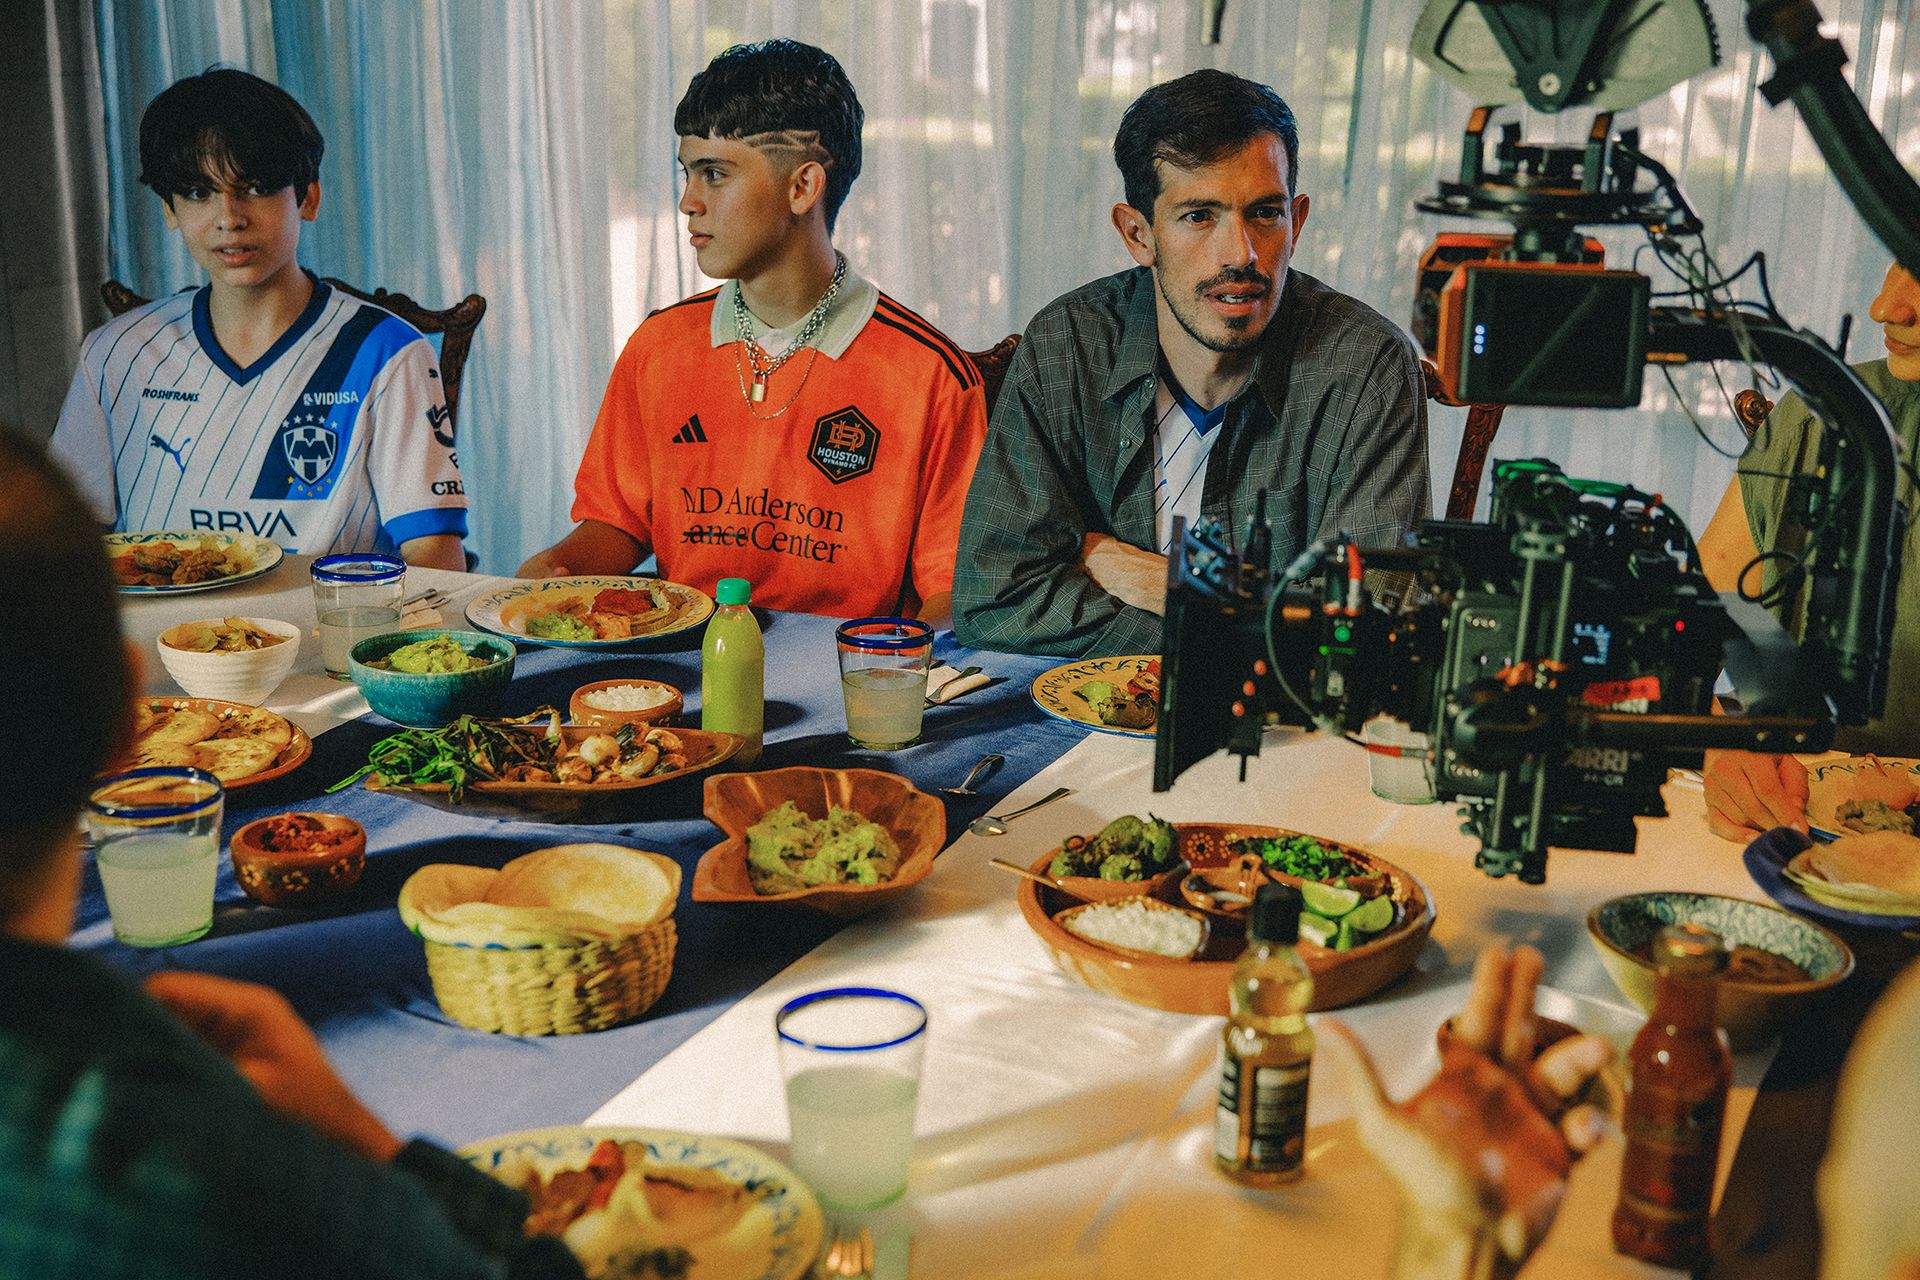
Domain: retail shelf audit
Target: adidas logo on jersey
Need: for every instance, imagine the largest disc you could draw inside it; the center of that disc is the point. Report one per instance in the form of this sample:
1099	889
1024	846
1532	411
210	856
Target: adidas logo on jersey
692	432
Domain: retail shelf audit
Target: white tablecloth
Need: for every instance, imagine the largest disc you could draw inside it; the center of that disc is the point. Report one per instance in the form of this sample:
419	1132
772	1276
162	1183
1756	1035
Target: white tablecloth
1063	1132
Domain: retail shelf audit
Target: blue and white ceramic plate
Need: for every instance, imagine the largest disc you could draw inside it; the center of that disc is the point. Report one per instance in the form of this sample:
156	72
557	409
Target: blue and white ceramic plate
1767	859
256	556
777	1239
1055	691
505	612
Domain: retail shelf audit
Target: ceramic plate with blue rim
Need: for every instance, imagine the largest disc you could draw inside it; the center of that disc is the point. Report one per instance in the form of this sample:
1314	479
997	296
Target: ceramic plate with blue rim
536	611
251	556
1056	692
1767	859
1827	785
777	1238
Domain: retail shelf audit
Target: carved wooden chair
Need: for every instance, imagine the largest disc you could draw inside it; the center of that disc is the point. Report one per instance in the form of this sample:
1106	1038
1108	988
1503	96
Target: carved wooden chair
454	324
992	364
1483	423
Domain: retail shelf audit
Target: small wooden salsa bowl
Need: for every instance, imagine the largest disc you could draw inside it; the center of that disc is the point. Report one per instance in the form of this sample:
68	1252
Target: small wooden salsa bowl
272	868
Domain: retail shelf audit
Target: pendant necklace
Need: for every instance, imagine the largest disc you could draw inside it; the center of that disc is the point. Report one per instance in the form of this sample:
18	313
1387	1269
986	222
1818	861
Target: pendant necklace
749	355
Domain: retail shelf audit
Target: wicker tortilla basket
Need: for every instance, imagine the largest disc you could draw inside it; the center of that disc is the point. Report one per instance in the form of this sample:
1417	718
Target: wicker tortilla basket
557	988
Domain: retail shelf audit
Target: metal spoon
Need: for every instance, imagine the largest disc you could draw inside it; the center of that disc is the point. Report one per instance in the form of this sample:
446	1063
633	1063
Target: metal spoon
987	764
995	824
933	694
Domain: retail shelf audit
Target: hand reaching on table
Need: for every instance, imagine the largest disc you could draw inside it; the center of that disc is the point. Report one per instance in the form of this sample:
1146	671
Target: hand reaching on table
1748	793
257	1030
1481	1154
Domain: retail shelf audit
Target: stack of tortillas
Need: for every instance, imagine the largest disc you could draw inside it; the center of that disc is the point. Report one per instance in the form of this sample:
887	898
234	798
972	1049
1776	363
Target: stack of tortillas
551	896
231	746
1877	873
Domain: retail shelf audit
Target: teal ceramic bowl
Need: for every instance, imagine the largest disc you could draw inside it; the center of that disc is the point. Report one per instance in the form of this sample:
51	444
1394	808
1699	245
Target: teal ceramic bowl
1751	1012
432	699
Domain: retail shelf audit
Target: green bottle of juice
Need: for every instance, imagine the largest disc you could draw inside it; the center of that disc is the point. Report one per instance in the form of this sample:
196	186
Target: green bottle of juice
733	695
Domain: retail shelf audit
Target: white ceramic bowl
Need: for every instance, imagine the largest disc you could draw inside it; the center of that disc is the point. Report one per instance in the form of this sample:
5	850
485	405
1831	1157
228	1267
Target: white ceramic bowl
246	676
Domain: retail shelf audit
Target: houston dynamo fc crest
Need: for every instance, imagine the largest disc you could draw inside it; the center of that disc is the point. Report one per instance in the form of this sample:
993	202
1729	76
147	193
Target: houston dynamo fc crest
310	450
844	445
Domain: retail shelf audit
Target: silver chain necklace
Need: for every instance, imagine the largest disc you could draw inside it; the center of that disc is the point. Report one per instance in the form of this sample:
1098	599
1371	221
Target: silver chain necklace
764	365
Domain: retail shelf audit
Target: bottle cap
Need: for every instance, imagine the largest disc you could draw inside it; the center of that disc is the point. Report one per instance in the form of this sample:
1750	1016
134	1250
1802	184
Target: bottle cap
1690	949
1276	915
733	591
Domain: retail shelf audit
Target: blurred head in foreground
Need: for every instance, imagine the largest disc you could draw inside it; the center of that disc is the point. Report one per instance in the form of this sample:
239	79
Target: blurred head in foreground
65	681
1870	1180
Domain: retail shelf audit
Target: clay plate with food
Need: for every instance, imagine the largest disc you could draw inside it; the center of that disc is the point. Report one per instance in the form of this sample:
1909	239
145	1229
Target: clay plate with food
176	562
590	613
562	772
750	806
1199	985
631	1202
240	745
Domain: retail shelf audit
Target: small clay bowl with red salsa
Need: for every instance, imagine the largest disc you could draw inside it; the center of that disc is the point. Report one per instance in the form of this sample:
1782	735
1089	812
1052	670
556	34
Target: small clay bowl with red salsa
298	859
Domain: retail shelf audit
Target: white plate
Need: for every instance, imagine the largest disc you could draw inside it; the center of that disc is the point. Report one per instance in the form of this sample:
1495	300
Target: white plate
503	612
263	554
778	1238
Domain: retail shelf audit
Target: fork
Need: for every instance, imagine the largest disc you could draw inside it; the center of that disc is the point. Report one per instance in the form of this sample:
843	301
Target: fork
987	764
849	1254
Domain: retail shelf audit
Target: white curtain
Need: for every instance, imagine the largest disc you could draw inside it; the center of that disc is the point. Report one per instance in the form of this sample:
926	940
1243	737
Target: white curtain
524	149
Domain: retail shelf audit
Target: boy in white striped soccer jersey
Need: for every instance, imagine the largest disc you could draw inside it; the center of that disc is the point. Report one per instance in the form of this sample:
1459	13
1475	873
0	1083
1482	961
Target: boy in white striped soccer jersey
265	402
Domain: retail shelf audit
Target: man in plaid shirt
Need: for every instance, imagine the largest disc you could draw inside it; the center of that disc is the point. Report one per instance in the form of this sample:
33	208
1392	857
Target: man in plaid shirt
1184	387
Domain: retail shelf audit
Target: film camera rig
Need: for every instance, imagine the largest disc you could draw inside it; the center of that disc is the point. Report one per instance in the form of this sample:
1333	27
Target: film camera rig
1562	655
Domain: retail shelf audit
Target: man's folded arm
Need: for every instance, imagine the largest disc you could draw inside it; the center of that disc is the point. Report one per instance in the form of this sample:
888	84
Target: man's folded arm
1019	586
1380	488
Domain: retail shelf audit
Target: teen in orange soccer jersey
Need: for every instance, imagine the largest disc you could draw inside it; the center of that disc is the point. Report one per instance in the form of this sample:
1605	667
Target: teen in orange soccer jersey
796	426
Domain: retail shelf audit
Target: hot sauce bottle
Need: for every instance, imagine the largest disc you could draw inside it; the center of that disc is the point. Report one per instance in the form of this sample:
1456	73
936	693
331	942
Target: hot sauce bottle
1677	1076
1260	1128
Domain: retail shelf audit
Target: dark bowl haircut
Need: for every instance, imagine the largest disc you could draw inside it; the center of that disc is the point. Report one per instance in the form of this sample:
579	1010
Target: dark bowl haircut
779	86
1202	117
65	679
225	123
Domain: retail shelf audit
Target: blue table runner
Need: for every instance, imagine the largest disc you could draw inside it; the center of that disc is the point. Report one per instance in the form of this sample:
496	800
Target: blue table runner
360	978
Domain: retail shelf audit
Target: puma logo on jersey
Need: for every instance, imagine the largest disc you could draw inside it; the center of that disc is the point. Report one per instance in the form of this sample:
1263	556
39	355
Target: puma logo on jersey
155	442
692	432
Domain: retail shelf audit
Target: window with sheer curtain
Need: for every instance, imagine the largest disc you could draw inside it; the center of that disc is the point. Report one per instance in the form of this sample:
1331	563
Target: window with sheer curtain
525	152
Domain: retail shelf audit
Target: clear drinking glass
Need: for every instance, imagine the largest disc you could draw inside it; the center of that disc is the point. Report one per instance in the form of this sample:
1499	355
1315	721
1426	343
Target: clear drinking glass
156	840
883	677
851	1057
1401	779
355	595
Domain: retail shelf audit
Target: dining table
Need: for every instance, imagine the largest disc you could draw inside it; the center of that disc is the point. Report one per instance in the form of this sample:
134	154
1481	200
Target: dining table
1061	1131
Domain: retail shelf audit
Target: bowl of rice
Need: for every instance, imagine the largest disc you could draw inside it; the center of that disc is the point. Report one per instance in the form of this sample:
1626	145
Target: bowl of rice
1140	925
625	700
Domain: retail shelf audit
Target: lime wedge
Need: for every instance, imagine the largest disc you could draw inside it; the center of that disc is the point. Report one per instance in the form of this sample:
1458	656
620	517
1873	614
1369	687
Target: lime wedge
1345	939
1371	916
1317	929
1329	900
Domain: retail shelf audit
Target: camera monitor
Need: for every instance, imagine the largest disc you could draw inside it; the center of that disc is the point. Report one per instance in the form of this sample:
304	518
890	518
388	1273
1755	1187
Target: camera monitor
1544	334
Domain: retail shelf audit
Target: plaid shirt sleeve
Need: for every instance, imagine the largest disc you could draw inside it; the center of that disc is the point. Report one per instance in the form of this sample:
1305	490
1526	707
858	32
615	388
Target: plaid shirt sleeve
1019	586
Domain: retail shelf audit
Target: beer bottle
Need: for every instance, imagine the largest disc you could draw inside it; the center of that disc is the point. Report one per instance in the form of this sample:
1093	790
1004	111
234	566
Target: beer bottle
1677	1076
1259	1134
